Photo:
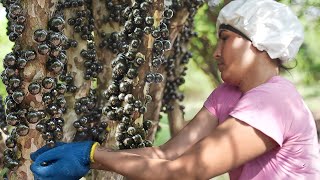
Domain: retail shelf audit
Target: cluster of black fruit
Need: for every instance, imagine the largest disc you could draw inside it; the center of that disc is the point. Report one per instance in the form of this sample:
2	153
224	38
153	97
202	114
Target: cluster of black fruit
12	156
52	44
117	12
14	63
88	125
71	4
83	23
92	65
51	130
136	21
122	105
16	18
161	44
175	65
130	135
176	70
51	123
3	122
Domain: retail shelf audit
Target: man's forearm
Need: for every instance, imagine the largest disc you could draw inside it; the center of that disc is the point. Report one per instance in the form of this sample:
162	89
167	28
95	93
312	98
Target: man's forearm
149	152
134	166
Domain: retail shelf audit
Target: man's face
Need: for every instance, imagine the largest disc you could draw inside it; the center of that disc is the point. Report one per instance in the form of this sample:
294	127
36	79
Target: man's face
235	56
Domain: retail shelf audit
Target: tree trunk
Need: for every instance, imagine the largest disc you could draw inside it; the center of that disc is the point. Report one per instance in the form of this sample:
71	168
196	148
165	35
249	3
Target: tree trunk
176	115
37	14
140	88
182	26
77	41
76	69
105	56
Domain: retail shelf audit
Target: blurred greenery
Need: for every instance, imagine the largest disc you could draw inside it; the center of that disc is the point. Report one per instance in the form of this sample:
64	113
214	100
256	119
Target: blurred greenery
308	58
5	45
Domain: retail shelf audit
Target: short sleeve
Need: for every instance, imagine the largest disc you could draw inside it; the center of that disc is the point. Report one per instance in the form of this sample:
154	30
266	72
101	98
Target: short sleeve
265	110
222	100
211	102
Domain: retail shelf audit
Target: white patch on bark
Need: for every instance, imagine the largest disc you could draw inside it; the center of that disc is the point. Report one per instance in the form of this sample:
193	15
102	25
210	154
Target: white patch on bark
68	129
31	11
41	3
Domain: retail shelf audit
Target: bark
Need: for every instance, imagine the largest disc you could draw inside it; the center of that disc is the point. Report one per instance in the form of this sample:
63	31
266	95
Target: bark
154	90
105	56
37	15
175	117
76	68
140	87
206	53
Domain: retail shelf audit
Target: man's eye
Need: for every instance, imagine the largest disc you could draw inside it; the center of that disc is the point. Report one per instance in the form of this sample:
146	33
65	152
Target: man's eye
224	38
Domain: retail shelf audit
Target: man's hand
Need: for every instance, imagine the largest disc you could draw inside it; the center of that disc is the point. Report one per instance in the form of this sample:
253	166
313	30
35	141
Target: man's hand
69	161
44	149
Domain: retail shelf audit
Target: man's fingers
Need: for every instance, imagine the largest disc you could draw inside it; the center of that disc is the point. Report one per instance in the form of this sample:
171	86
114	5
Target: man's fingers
50	155
45	165
35	154
45	148
40	171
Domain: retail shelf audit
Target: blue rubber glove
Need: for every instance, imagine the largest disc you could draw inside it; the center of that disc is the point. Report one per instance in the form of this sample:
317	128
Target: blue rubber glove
68	161
45	148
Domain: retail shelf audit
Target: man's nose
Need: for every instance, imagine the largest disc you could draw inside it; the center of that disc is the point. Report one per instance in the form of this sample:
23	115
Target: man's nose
217	52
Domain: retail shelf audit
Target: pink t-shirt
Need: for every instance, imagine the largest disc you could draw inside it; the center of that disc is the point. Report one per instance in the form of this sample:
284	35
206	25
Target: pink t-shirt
276	109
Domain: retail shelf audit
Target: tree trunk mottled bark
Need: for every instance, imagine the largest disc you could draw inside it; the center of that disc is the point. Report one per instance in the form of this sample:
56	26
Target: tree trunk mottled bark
77	70
37	14
105	56
139	90
141	87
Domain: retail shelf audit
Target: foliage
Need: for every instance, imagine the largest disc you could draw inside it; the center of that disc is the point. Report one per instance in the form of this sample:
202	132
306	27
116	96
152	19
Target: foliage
203	45
5	46
308	58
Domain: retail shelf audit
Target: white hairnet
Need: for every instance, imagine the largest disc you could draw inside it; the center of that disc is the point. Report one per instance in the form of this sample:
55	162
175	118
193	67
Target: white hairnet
271	26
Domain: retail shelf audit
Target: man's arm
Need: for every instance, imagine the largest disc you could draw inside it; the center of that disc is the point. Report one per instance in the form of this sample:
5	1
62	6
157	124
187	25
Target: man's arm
230	145
200	126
